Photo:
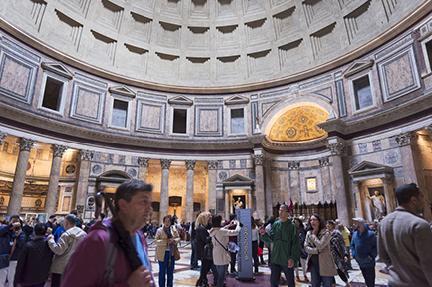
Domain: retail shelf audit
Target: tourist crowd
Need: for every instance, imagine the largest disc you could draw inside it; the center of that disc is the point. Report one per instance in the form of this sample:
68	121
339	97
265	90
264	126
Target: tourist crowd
113	251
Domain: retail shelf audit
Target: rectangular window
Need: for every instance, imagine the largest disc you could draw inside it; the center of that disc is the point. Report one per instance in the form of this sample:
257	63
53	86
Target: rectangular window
52	94
119	114
179	121
428	46
237	121
362	93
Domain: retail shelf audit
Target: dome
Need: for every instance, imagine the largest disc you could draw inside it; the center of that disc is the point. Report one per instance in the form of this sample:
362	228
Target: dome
220	45
318	102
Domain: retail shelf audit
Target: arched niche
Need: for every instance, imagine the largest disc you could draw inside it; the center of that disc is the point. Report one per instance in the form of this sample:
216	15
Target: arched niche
272	114
297	122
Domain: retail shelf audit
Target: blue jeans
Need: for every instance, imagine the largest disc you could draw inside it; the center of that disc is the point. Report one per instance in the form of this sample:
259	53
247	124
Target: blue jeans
317	279
276	270
166	267
221	271
368	275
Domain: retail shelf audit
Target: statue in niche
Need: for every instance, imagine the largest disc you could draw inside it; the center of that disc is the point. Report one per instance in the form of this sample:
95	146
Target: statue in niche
377	202
238	202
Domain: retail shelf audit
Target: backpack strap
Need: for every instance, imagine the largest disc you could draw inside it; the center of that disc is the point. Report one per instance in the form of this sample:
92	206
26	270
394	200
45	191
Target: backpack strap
111	257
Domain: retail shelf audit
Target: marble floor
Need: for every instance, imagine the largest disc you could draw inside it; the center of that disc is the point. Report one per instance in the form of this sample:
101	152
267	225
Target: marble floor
185	277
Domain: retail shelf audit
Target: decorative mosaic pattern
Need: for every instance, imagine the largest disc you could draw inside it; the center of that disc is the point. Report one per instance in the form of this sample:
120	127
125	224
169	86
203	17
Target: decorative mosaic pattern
299	124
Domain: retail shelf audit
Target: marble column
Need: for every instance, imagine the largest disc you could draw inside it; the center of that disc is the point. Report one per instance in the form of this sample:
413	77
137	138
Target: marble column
143	166
268	188
390	196
362	202
163	210
259	183
212	179
337	151
190	166
52	195
409	161
83	179
404	141
14	206
294	182
227	203
325	178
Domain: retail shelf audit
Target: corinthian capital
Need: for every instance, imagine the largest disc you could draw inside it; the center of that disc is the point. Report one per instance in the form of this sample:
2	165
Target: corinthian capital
337	148
404	138
165	163
2	136
258	159
323	161
58	150
190	164
293	165
86	154
212	164
26	144
143	161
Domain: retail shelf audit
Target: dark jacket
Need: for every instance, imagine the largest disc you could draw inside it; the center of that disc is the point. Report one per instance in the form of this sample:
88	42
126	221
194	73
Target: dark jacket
5	246
34	262
201	238
193	231
20	241
364	247
87	266
302	236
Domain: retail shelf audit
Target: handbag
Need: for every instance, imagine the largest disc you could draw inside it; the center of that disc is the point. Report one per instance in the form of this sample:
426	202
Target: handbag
260	251
176	253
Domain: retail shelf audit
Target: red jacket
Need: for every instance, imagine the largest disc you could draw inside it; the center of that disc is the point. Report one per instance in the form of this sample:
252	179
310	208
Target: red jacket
86	267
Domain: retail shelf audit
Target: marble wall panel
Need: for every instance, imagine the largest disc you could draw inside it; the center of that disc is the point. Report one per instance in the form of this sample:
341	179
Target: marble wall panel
150	116
399	74
87	103
18	71
208	121
311	197
16	78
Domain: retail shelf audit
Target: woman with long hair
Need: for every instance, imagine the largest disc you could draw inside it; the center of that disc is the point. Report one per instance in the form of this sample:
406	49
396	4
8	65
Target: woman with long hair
167	252
202	238
319	260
